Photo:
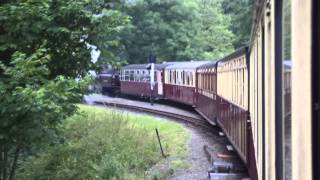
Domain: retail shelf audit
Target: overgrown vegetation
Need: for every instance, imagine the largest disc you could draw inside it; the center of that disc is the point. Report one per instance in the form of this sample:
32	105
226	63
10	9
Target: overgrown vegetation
101	144
44	62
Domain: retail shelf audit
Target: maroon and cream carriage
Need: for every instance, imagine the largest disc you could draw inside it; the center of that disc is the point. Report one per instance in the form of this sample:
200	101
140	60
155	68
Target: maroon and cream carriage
135	80
180	81
206	96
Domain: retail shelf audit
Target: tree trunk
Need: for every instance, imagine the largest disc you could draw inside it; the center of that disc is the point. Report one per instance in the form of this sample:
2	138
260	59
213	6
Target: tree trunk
14	164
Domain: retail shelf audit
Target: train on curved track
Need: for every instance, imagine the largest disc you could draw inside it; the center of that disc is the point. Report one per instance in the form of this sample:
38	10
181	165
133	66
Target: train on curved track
265	103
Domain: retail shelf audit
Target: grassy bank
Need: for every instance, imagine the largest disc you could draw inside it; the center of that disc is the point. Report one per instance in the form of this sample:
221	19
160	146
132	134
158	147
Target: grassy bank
103	144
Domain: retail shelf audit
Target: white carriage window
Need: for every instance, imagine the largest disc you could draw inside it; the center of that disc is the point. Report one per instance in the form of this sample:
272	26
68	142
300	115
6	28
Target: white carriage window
138	76
135	75
127	75
203	80
187	78
191	79
175	77
183	76
131	78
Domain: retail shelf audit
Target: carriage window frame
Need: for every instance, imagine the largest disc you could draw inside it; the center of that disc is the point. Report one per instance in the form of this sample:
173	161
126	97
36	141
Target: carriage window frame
316	88
283	132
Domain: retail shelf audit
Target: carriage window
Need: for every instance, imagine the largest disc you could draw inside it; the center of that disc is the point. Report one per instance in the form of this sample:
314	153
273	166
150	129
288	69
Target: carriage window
126	76
131	78
183	76
286	85
136	75
186	76
191	79
175	77
178	77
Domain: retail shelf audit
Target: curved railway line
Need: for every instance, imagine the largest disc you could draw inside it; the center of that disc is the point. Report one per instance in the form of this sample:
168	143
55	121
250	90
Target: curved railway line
219	159
183	118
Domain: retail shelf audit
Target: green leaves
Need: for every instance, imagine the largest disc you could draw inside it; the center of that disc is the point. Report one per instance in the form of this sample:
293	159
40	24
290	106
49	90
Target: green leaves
241	13
176	30
65	28
45	59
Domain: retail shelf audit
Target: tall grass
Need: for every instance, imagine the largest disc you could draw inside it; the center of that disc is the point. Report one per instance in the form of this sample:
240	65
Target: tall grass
103	144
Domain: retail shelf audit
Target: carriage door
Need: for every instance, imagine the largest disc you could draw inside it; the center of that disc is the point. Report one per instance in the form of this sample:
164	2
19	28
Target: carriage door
160	82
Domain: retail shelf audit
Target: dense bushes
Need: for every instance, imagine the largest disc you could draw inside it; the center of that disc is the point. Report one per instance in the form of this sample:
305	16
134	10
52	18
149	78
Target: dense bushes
102	144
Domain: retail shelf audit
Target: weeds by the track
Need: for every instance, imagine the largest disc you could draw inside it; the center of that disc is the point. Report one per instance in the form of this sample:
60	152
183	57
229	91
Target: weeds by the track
104	144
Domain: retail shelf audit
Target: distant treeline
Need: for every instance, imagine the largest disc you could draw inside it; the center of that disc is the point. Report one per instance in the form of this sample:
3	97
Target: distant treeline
179	30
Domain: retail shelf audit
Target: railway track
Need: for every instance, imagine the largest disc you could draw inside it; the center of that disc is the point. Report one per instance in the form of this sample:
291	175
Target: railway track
200	122
237	171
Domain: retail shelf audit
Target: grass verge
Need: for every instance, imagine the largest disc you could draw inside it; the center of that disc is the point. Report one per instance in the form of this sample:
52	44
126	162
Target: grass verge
104	144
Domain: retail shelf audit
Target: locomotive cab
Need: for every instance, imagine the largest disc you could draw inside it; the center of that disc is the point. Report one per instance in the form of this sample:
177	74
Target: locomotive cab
109	81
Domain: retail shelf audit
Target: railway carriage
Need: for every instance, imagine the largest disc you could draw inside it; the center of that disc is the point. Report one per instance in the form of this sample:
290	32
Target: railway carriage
233	109
135	80
284	89
180	82
206	96
268	107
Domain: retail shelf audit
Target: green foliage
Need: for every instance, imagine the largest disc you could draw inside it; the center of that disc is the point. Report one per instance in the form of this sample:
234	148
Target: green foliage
65	28
241	12
32	106
176	30
215	35
103	144
45	57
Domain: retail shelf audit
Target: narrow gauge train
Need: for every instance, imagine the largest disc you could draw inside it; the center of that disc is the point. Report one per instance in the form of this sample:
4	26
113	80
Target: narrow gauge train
218	90
267	107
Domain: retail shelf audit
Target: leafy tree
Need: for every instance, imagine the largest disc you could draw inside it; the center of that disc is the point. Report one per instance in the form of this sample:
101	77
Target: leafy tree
215	25
241	12
67	28
45	56
176	30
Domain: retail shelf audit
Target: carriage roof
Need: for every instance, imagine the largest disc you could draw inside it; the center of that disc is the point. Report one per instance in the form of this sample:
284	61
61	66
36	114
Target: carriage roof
187	65
144	66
